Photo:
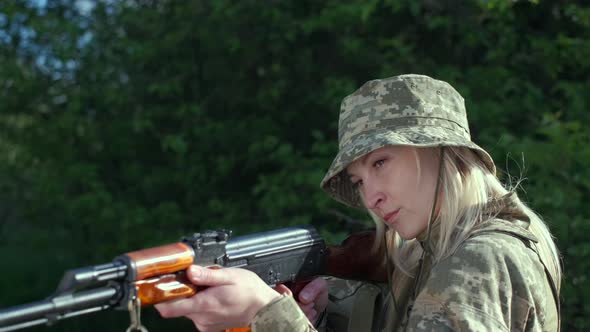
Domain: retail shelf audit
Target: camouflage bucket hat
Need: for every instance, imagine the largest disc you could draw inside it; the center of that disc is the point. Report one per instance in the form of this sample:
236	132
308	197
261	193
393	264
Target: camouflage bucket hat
412	110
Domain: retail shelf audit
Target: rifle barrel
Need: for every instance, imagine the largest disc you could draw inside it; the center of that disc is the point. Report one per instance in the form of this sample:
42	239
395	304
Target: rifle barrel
57	308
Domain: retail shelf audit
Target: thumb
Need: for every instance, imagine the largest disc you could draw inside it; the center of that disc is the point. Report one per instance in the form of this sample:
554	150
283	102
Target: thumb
199	275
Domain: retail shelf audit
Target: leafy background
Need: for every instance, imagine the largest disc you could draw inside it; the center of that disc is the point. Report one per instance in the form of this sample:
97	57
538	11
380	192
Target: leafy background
126	124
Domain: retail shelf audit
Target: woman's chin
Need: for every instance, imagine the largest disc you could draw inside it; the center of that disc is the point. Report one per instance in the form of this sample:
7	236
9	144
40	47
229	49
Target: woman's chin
407	234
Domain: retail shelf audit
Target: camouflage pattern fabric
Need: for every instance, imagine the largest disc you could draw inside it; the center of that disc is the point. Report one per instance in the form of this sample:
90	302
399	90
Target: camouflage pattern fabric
281	315
493	282
413	110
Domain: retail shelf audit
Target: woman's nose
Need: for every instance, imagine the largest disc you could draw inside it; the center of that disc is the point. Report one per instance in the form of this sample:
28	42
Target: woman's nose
374	198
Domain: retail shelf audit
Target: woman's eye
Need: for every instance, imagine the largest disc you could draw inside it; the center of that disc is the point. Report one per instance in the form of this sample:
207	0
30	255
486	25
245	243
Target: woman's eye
379	163
357	184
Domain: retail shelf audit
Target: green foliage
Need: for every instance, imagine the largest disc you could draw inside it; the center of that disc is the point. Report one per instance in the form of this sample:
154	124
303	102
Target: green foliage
131	123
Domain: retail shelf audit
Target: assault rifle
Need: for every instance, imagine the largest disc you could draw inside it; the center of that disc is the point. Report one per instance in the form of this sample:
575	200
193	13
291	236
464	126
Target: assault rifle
154	275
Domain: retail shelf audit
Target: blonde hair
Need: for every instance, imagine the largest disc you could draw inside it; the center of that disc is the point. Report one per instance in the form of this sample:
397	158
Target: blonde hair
466	185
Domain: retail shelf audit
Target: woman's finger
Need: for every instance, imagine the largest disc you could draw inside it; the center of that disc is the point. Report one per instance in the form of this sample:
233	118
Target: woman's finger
176	308
306	307
282	289
312	315
199	275
311	291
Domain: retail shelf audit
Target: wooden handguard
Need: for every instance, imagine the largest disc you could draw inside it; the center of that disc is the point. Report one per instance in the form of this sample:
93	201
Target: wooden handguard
160	273
164	288
160	260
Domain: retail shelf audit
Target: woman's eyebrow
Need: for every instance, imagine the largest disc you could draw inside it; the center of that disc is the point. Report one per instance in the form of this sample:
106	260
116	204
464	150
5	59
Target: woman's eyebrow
362	160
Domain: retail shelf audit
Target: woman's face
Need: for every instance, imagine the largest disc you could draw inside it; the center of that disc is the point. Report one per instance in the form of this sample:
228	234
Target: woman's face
396	187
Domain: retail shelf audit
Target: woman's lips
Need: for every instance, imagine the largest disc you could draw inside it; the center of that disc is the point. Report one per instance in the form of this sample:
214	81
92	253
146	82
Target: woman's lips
390	217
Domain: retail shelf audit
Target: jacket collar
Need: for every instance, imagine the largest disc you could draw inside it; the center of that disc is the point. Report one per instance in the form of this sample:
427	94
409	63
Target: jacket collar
517	228
503	215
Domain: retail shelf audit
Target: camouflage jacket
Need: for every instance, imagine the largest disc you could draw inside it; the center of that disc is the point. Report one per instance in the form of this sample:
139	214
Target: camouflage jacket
495	281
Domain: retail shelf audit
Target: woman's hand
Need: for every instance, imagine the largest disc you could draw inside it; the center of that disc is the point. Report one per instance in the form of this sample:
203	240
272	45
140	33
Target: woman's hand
313	298
234	298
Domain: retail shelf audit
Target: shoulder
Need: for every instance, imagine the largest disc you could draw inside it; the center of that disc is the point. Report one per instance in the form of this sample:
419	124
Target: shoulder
493	258
493	281
483	268
492	249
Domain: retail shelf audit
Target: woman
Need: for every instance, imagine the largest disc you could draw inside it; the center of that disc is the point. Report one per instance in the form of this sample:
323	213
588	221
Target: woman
464	252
